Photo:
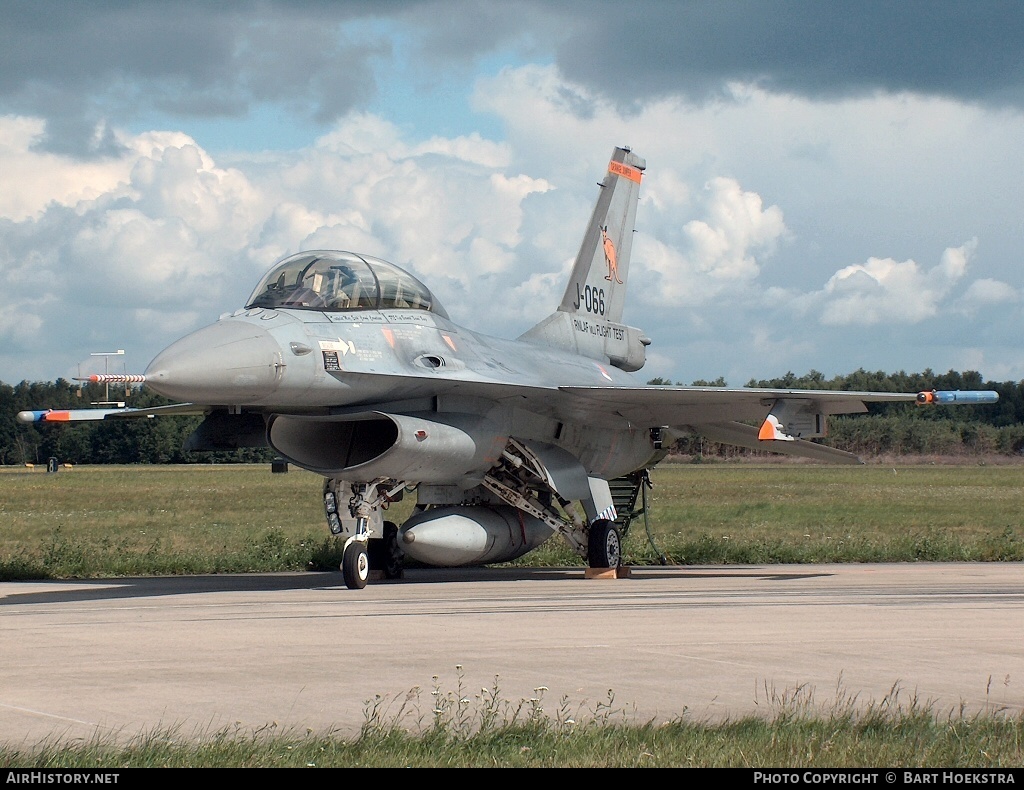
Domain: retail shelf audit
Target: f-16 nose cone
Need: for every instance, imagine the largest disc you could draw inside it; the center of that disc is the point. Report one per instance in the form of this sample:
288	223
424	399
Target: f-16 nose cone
230	362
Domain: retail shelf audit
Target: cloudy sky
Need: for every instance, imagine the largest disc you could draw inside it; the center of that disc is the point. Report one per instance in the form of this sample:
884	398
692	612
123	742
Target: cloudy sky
829	186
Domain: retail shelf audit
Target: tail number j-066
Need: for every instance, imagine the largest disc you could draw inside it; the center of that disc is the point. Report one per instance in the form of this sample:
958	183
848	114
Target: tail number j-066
592	299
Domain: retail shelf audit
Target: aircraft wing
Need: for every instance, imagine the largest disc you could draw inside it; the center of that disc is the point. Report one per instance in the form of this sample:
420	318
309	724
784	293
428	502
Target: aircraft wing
779	417
777	420
643	405
701	405
717	413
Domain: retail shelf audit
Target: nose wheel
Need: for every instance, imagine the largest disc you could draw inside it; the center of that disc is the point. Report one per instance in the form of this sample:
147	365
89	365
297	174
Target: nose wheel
355	565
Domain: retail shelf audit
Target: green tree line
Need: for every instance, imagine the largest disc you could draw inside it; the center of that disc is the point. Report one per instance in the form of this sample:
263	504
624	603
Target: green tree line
141	441
897	428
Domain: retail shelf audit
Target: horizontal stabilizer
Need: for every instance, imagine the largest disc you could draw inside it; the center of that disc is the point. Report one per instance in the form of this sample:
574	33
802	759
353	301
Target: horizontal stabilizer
748	436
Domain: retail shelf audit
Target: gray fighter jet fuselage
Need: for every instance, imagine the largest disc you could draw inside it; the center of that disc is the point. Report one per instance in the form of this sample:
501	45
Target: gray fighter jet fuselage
348	366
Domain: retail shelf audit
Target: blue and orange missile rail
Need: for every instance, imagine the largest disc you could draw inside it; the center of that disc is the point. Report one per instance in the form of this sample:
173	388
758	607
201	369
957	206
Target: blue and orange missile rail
65	415
940	397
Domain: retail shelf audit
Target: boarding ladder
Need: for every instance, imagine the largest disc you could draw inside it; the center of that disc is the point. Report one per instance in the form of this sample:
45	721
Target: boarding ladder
627	493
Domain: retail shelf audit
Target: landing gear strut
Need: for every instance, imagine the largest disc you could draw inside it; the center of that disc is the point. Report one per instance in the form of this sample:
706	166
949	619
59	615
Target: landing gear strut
370	544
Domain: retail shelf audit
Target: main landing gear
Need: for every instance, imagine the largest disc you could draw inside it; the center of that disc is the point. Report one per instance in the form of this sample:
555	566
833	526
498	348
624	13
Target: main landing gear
386	554
604	545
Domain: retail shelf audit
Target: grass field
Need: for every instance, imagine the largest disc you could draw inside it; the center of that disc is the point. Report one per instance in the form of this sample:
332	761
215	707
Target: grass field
159	520
486	730
114	521
875	740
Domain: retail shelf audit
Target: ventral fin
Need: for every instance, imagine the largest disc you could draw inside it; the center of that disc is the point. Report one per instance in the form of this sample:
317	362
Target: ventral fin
771	429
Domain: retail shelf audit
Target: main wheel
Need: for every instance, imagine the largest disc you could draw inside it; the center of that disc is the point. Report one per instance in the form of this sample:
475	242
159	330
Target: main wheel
604	545
355	565
386	554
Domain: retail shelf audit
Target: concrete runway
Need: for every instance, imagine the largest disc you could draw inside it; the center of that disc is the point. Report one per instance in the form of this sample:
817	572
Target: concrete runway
127	657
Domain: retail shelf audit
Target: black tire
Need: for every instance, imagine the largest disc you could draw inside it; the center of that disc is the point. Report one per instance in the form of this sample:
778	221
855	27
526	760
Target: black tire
604	545
386	553
355	565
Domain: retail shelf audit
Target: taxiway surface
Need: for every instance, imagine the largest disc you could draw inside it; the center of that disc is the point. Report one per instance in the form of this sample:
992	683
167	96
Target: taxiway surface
297	652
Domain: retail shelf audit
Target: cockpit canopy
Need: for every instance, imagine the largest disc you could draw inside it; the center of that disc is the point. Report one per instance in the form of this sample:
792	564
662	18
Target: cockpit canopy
330	281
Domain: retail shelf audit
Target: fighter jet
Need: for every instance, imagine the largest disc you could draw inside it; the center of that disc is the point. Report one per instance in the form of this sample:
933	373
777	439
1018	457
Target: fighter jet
348	366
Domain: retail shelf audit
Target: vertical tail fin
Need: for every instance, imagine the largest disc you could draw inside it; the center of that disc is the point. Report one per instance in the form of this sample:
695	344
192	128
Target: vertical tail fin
588	319
602	264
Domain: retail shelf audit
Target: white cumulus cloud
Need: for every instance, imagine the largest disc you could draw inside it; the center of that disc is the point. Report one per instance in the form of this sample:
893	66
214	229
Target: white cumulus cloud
987	292
717	252
883	290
